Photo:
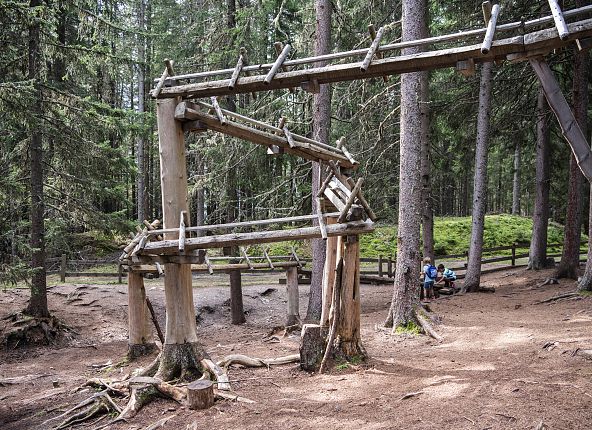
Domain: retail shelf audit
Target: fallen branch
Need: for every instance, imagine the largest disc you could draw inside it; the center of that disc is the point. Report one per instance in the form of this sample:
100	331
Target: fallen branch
21	379
257	362
221	376
231	396
160	423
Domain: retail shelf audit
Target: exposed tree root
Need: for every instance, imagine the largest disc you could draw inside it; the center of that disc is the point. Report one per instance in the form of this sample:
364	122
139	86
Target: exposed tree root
559	297
477	289
231	396
181	361
426	326
27	330
257	362
97	404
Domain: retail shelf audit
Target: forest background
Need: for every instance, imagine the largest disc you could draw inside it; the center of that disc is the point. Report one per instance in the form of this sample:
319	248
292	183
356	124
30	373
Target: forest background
82	118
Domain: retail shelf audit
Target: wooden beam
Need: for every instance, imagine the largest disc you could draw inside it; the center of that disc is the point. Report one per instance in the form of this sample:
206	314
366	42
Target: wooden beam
279	46
237	239
379	55
321	219
491	24
289	137
190	111
278	63
218	110
569	126
372	50
350	200
194	126
560	24
428	60
486	6
311	86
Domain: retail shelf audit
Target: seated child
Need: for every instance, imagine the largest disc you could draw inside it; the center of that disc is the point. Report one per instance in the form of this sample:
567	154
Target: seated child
429	277
448	276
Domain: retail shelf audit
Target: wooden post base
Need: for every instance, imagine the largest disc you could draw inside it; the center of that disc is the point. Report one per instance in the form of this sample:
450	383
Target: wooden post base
139	350
200	394
312	346
236	298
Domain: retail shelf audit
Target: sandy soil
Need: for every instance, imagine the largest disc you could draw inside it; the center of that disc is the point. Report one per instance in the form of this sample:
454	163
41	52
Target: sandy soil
491	371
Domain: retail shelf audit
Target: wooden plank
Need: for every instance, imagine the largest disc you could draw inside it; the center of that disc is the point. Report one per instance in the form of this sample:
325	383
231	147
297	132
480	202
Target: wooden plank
237	239
428	60
560	24
188	111
491	24
372	50
569	126
278	63
516	25
334	199
320	218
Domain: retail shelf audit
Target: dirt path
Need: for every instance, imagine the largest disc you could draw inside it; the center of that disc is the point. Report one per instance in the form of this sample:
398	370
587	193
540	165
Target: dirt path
491	371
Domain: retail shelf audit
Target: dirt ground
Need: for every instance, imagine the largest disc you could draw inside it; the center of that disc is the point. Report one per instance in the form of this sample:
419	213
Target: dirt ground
490	372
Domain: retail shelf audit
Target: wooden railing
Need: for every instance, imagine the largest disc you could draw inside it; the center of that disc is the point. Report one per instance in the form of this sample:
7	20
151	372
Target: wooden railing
61	266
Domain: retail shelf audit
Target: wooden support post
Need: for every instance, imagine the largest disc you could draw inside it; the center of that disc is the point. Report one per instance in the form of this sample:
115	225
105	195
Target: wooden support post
350	200
218	110
161	82
181	340
489	34
237	70
379	55
182	218
169	65
278	63
63	266
329	274
200	394
380	266
266	255
246	257
486	6
236	297
293	298
295	257
389	267
321	219
208	264
513	254
372	50
569	126
119	272
348	328
141	341
279	46
562	29
155	321
289	137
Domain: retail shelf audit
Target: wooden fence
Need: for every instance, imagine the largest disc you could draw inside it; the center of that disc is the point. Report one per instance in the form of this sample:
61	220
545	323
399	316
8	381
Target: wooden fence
383	271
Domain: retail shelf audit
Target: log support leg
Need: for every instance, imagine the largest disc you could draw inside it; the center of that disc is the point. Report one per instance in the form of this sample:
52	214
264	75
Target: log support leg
293	299
236	298
141	340
329	273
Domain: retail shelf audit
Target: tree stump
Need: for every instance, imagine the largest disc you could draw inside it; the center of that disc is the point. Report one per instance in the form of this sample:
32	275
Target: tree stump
312	346
200	394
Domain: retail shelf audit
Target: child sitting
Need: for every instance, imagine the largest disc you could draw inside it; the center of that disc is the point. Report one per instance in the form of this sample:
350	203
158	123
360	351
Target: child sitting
448	276
429	277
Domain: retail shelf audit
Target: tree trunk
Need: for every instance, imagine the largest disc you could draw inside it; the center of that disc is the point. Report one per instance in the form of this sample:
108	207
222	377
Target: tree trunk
586	281
182	352
321	126
516	181
38	303
473	275
570	258
426	189
141	340
406	285
540	219
141	201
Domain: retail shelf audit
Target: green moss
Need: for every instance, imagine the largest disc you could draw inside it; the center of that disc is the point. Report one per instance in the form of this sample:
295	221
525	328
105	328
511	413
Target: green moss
409	328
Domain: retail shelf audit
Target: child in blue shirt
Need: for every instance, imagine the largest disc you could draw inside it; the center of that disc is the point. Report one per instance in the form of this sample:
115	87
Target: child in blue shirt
429	278
448	276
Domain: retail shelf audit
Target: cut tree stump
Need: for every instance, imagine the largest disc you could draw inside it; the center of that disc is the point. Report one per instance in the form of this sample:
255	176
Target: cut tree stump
200	394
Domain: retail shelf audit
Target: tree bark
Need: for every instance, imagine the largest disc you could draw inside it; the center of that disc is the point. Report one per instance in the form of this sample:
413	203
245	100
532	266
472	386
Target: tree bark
516	181
586	281
473	275
141	339
406	285
427	221
540	218
182	352
570	257
141	201
321	127
38	303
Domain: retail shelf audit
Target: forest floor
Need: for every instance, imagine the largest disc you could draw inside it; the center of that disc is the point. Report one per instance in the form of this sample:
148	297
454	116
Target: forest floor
490	372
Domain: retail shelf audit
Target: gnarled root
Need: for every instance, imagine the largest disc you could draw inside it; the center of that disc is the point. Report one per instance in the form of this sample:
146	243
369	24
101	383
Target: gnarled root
181	361
144	389
27	330
99	403
426	326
